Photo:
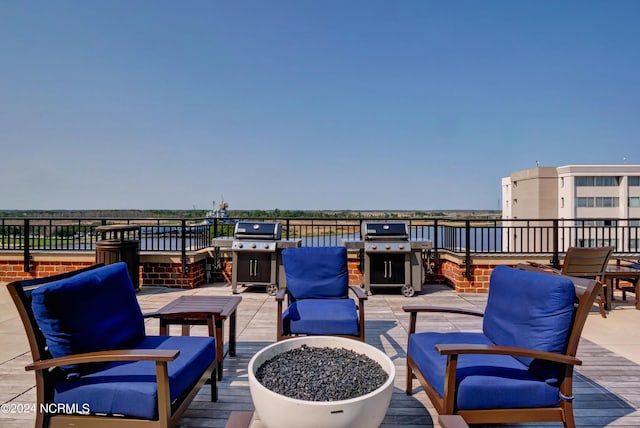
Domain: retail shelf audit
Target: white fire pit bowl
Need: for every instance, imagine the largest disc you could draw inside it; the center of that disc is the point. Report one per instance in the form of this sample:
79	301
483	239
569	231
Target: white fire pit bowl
275	410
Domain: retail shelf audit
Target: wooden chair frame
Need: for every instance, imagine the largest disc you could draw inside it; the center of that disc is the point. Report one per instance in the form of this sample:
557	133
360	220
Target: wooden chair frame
168	413
360	295
586	292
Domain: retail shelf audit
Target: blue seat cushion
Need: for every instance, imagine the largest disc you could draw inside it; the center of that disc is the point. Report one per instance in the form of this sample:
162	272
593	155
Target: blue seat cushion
530	310
92	311
129	388
321	316
484	381
316	272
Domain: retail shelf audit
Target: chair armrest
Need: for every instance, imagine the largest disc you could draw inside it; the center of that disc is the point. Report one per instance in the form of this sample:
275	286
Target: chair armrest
451	310
458	349
107	356
280	294
359	292
413	310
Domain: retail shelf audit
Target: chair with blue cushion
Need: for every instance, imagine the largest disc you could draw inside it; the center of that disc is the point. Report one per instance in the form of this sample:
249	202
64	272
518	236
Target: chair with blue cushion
318	295
519	368
92	359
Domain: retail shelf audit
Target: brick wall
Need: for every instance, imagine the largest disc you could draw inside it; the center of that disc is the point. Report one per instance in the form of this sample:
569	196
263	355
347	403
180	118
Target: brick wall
166	270
171	275
355	276
13	270
156	270
477	283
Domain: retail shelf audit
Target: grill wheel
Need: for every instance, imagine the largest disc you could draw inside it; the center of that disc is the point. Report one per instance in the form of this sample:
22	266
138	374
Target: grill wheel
408	290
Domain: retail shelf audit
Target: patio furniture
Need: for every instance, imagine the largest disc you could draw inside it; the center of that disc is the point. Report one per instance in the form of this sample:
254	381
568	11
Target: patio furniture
318	295
211	311
519	368
628	272
92	358
584	262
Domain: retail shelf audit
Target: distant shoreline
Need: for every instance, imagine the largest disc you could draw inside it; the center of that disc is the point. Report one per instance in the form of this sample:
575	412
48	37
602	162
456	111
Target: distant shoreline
193	214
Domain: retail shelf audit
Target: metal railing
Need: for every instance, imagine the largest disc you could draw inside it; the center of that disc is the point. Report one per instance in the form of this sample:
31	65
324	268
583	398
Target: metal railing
466	236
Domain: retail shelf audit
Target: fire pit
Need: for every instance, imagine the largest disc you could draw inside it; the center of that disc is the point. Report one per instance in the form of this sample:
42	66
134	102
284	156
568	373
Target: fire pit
277	410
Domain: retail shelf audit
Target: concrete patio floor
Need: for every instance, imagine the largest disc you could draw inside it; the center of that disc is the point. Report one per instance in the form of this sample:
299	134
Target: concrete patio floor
607	385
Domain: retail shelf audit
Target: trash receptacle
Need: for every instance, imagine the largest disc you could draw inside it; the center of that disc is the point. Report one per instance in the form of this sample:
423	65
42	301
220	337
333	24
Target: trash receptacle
120	249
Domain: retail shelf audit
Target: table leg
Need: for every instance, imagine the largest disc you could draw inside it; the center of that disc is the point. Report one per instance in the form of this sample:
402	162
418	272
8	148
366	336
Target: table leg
232	333
608	292
164	327
219	335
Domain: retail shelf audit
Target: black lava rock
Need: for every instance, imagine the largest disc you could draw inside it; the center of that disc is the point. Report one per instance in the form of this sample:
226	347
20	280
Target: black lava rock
321	374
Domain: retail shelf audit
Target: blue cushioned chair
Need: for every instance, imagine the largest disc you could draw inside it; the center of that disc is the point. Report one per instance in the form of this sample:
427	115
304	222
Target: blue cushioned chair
93	360
318	295
519	368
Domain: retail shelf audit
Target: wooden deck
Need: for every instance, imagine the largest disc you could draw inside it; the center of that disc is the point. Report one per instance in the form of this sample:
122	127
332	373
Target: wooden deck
607	386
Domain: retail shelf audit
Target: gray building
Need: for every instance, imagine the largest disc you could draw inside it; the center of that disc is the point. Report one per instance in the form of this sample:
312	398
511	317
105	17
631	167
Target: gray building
585	198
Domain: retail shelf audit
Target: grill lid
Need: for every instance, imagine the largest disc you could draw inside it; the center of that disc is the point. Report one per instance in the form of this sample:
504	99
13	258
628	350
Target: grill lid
385	231
258	230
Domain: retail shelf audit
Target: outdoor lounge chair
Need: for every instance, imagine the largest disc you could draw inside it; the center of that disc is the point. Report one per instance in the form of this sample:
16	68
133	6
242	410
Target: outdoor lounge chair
585	262
519	368
94	364
318	295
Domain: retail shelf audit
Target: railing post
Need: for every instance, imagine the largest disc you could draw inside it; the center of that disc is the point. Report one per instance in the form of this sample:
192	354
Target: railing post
287	228
436	243
27	256
467	252
185	268
215	227
555	261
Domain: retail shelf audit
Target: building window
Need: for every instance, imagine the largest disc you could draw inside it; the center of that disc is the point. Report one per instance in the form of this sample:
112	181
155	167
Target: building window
597	242
584	202
634	202
598	202
598	222
634	222
598	181
634	181
561	182
607	201
561	202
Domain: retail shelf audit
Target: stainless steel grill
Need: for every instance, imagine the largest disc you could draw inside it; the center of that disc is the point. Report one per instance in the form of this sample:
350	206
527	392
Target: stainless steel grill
254	255
391	258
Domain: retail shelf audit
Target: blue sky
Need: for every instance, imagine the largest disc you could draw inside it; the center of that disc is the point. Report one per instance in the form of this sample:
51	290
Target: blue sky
323	104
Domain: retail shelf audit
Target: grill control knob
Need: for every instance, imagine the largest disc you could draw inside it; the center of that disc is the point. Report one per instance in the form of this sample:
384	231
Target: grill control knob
387	246
266	246
374	246
240	245
253	245
401	246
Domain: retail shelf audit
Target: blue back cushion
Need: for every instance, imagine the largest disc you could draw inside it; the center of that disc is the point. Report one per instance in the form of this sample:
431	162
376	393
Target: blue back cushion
91	311
316	272
530	310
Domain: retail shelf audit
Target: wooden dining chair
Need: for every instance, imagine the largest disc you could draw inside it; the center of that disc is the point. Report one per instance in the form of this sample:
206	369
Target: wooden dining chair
585	262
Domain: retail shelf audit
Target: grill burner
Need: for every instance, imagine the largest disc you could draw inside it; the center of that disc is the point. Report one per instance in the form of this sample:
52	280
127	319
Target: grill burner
390	259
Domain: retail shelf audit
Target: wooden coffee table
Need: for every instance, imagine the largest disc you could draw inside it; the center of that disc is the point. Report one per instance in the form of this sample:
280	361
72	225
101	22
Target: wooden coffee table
203	310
